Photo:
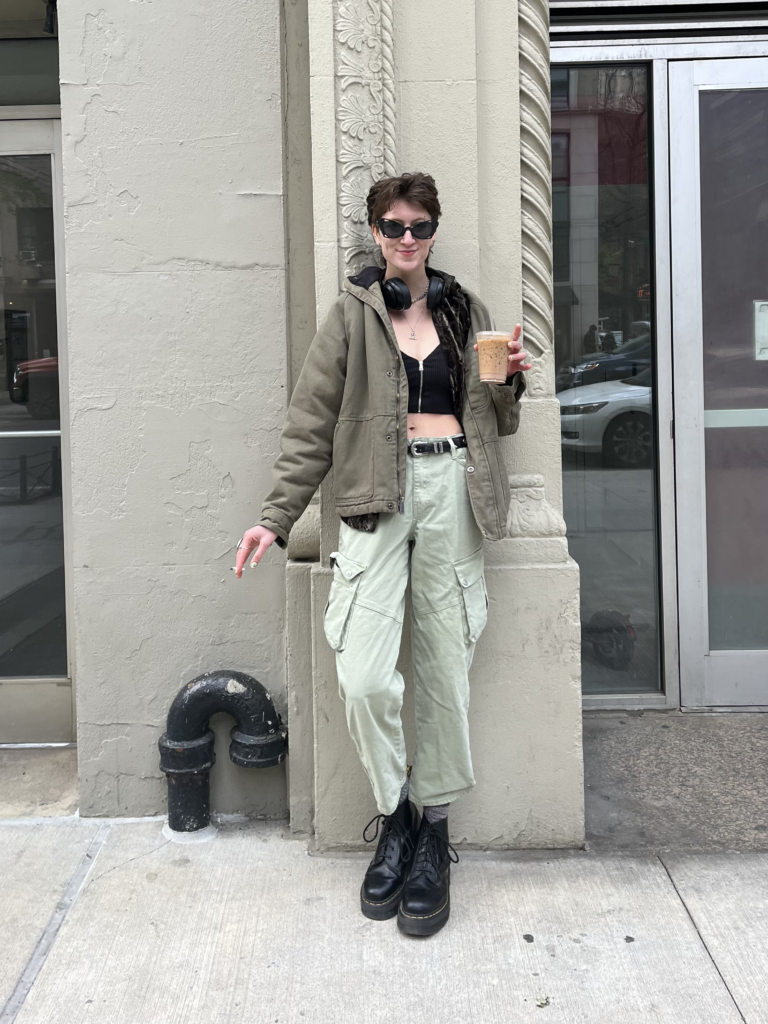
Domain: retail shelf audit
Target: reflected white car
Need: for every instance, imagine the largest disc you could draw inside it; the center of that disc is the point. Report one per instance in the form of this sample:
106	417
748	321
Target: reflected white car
614	417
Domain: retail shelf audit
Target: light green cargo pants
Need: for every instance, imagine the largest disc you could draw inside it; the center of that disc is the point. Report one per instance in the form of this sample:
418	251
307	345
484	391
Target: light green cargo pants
439	542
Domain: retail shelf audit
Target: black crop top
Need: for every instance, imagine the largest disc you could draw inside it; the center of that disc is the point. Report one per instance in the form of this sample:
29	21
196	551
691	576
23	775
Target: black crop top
429	383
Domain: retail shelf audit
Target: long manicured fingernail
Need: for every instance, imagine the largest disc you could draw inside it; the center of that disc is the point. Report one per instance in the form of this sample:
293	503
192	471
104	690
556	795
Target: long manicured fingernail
254	564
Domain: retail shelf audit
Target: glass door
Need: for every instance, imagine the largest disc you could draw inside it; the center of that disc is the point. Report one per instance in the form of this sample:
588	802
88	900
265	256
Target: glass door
719	221
605	366
35	695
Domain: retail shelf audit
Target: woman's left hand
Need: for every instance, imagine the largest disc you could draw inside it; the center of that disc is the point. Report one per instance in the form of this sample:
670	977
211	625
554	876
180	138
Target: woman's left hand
517	359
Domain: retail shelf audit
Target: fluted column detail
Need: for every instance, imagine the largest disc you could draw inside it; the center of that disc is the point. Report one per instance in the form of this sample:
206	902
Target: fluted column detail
536	191
388	84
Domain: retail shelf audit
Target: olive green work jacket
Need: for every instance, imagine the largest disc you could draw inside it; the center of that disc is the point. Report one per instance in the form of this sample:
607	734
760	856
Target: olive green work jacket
349	410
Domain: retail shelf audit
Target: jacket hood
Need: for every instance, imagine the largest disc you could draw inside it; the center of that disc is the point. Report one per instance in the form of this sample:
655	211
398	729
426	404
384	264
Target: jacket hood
370	275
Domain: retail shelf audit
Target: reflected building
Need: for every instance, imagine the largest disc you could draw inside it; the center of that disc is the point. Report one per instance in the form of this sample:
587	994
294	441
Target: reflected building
600	207
33	636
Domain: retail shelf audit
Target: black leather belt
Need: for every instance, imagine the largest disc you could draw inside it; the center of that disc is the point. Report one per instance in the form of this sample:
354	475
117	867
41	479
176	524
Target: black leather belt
436	447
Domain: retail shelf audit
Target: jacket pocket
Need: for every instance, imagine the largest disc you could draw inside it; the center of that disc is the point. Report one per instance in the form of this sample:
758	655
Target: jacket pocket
347	574
353	458
469	573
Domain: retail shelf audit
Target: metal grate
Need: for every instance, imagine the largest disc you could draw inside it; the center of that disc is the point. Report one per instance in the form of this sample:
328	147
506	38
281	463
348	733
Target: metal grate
606	19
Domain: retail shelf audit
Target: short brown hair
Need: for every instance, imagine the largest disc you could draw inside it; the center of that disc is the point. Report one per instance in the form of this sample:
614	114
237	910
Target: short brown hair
417	189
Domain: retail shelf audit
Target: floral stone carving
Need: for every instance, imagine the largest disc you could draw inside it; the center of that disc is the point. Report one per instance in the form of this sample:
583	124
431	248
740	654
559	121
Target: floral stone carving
365	118
530	514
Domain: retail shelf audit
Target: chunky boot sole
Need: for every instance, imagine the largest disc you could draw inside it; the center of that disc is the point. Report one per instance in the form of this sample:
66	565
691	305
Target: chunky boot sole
424	925
381	911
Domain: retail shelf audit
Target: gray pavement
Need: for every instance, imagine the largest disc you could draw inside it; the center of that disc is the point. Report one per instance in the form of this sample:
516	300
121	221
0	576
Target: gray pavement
250	927
672	781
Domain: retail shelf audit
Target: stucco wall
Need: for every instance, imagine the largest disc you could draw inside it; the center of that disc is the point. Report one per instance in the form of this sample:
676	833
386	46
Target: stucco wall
176	267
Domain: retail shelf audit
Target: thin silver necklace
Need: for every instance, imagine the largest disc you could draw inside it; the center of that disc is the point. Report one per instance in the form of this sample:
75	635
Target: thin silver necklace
421	314
414	326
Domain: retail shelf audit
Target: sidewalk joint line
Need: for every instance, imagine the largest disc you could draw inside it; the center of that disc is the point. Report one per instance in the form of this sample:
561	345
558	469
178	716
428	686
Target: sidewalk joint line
698	932
45	943
76	819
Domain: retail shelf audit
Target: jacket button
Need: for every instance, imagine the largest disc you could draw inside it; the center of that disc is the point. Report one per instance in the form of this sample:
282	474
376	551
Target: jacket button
390	504
465	583
470	469
389	437
389	373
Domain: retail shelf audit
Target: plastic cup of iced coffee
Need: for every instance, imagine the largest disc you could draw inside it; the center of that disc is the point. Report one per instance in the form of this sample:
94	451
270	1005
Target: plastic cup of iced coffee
492	353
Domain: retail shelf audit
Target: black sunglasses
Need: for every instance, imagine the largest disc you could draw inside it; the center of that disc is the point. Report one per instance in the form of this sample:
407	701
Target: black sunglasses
394	229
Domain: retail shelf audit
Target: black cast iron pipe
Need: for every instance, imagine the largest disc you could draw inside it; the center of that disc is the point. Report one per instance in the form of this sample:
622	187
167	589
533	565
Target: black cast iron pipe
258	740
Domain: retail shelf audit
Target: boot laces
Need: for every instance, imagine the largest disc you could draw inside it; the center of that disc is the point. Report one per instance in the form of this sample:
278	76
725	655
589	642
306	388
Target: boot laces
392	828
433	846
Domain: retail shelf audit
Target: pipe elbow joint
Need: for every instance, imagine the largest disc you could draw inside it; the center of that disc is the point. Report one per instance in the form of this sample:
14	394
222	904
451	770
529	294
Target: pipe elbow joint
185	757
258	751
258	740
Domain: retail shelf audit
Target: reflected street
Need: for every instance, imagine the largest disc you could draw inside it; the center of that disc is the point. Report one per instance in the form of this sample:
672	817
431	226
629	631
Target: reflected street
611	534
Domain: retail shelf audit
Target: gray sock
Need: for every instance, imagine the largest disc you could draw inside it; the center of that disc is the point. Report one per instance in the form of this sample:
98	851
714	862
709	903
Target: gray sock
404	792
438	812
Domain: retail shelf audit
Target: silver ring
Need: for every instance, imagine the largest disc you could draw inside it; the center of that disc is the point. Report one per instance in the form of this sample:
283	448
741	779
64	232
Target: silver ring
241	545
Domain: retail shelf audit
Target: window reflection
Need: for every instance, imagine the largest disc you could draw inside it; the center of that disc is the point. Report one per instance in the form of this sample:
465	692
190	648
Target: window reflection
604	366
733	127
29	68
32	606
32	619
29	386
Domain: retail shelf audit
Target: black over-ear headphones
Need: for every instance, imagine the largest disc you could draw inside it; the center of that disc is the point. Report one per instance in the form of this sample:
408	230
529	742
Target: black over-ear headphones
397	294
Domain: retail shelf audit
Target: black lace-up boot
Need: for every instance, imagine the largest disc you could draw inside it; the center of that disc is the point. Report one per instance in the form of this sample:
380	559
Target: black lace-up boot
387	872
426	902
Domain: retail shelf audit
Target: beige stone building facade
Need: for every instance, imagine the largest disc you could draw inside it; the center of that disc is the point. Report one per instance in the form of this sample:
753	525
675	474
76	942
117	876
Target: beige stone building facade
182	191
208	196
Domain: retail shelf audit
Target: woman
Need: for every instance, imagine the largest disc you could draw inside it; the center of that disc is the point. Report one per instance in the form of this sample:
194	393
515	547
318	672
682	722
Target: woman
390	395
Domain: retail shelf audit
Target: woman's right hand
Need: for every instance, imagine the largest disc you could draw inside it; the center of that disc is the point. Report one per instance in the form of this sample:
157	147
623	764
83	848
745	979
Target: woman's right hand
257	539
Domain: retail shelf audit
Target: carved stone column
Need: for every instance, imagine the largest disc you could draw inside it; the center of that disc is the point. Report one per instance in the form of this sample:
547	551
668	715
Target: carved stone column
536	191
365	118
352	95
479	121
357	49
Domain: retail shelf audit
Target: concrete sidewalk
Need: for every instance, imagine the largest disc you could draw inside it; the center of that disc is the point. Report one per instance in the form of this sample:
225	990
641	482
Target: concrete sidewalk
251	928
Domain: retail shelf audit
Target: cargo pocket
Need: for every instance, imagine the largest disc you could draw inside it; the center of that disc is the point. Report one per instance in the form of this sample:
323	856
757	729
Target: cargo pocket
469	573
347	574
